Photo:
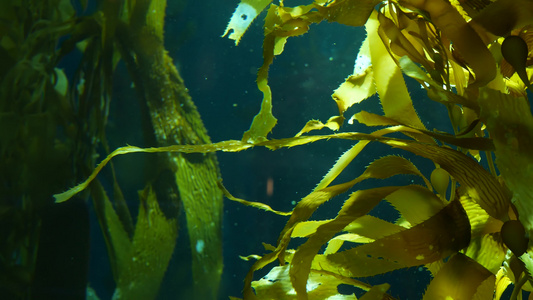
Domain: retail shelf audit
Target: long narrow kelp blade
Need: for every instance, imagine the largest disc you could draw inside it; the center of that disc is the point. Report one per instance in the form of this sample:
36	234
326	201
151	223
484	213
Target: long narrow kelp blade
436	238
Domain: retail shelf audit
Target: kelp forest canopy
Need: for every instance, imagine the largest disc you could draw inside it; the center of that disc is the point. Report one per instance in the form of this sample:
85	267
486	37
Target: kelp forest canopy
467	223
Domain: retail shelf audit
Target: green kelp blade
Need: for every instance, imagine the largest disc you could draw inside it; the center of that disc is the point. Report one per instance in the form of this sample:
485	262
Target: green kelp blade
118	243
358	86
415	203
443	234
484	188
488	251
347	12
279	24
510	124
464	38
359	204
461	278
389	81
277	285
152	247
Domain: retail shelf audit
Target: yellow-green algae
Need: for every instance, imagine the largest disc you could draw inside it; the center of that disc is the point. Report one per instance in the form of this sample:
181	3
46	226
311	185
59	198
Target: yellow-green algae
443	45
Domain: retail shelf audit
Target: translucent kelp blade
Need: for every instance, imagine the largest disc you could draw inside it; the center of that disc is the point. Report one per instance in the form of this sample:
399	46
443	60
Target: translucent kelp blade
436	238
510	124
359	204
415	203
478	182
358	86
388	77
460	278
347	157
502	282
372	227
280	23
152	248
488	251
480	221
277	285
352	13
242	18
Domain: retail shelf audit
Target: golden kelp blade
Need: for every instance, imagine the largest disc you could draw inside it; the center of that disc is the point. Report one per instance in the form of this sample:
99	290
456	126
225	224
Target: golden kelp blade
478	182
460	278
277	285
388	77
358	205
510	123
352	13
443	234
464	38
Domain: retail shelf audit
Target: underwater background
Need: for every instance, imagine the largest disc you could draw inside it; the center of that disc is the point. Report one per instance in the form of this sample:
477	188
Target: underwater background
221	78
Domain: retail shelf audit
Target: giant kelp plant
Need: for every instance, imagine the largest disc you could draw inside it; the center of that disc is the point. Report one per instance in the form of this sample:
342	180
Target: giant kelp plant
474	58
468	224
59	59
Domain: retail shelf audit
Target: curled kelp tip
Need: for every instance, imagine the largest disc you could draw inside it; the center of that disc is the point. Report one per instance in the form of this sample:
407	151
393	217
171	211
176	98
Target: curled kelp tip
515	52
514	237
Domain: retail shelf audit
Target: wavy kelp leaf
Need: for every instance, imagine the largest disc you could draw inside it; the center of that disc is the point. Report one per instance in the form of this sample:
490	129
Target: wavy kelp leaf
460	278
465	39
467	142
227	146
487	251
359	204
358	86
415	203
258	205
303	210
242	18
502	282
480	221
152	247
510	123
477	182
443	234
372	227
350	155
352	13
277	285
436	93
280	23
334	123
388	77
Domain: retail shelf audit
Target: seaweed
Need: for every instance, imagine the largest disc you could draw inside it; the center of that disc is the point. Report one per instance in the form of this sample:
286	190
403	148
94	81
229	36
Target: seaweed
469	224
53	129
